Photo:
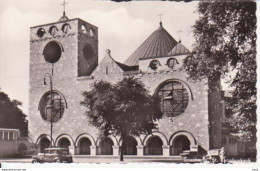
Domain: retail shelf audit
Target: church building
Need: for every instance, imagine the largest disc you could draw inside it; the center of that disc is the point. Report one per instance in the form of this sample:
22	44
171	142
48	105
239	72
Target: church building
64	63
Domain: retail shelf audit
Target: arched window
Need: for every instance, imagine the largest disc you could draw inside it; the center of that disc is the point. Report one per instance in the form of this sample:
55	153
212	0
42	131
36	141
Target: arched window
40	32
53	30
154	64
65	28
172	62
83	28
174	98
91	32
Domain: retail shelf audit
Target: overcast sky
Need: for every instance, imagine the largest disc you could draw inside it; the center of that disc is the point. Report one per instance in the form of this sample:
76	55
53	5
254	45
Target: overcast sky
122	28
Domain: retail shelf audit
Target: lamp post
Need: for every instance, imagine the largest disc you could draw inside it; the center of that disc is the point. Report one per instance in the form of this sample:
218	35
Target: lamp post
47	75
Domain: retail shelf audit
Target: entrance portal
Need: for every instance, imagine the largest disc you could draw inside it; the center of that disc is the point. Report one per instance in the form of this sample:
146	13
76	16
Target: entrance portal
180	144
84	146
44	143
154	146
130	146
64	143
106	146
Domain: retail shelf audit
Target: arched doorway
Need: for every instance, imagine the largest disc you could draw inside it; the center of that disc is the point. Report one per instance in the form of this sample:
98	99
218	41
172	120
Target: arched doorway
44	143
84	146
130	146
154	146
22	149
106	146
180	144
64	143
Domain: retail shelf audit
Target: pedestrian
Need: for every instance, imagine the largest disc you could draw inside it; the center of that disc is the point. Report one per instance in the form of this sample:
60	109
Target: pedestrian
222	155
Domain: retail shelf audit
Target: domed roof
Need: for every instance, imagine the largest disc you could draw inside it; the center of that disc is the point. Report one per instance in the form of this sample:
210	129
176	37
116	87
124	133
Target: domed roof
159	43
179	49
63	18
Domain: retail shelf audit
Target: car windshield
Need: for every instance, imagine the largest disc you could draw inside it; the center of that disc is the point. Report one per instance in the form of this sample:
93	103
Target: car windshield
65	152
51	152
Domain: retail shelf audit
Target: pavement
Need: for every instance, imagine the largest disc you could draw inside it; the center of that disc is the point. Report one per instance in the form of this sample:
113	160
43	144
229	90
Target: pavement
104	159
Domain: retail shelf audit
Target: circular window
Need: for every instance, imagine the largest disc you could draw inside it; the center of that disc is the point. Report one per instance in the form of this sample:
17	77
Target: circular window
154	64
88	51
40	33
174	98
52	106
172	62
52	52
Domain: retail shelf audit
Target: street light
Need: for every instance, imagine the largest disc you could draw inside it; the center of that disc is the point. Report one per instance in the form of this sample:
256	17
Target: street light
47	75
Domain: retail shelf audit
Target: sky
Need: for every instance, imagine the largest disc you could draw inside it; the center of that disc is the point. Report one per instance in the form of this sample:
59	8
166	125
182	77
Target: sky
122	28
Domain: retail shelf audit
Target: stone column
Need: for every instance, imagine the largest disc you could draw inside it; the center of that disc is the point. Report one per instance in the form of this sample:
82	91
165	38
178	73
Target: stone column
115	150
93	150
140	150
166	150
72	150
76	151
194	148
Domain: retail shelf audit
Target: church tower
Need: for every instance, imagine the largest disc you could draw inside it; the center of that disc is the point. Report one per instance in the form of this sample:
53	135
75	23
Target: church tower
61	54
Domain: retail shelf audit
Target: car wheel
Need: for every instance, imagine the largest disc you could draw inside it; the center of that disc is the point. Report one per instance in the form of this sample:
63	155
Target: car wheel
57	161
34	161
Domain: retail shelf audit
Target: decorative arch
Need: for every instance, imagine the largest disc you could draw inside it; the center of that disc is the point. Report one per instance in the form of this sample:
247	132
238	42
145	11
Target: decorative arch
138	140
186	134
44	136
84	135
65	28
53	30
113	138
64	136
177	80
159	134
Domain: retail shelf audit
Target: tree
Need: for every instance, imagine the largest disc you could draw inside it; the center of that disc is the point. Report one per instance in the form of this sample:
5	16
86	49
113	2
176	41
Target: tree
123	109
11	116
225	35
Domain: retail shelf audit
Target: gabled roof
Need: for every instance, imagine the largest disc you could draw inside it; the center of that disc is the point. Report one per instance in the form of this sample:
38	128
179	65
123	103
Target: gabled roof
179	49
159	43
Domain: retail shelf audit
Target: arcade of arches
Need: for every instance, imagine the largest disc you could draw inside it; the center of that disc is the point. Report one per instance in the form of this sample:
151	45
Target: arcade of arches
150	145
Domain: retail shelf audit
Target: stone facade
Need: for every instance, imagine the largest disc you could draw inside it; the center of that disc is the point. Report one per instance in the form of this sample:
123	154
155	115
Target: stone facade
76	71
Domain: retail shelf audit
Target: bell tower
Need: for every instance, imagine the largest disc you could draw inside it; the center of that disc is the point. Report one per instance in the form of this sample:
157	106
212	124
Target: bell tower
66	49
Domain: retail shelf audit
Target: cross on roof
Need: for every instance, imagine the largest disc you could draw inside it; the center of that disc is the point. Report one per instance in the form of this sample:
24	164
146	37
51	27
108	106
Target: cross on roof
160	15
179	32
64	5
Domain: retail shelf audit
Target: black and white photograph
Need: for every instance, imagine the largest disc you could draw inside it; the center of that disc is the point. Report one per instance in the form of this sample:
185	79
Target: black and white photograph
128	82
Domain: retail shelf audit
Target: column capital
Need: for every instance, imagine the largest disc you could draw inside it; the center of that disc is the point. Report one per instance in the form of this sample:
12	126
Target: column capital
166	146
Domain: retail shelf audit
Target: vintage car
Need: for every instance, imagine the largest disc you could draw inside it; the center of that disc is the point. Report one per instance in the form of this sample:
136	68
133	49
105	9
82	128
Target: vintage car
57	155
213	156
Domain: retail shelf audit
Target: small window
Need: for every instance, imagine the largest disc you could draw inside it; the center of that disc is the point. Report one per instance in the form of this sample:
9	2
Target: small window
40	33
83	29
172	62
91	32
154	64
53	30
5	135
11	136
65	28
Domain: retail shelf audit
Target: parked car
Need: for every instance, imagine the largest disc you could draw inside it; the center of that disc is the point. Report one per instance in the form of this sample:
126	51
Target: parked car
213	156
57	155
